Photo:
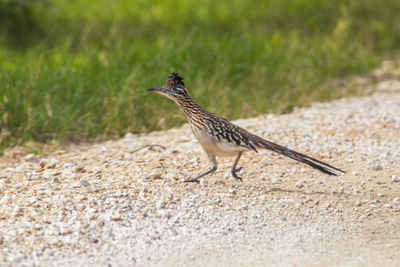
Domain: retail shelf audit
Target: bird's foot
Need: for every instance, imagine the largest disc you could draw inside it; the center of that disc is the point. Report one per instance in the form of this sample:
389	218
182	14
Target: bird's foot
234	171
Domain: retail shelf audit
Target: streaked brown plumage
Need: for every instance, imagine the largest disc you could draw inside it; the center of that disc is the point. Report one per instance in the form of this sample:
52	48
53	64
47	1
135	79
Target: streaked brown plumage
219	137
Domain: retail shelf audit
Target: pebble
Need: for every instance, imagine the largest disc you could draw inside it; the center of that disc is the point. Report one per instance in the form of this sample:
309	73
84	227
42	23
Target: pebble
276	180
160	204
154	176
203	182
79	169
266	163
52	164
378	168
115	217
42	163
164	213
84	183
395	178
299	184
93	239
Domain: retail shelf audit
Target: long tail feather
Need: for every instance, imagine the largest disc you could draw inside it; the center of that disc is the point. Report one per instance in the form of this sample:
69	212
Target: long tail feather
317	164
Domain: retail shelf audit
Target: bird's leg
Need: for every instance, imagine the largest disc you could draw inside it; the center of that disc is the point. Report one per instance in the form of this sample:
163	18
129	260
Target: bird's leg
213	168
234	170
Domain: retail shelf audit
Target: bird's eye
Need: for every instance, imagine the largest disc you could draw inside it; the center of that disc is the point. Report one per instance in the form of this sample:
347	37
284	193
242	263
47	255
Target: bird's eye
177	88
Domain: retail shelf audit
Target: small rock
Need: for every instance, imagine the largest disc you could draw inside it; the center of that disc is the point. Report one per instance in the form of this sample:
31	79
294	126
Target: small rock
275	180
129	136
80	207
97	170
52	164
203	182
232	191
164	213
93	239
30	156
154	236
355	173
219	181
1	239
395	179
378	168
38	226
64	230
375	201
244	207
79	169
154	176
33	200
116	217
42	163
396	200
299	184
76	185
286	201
266	162
160	204
46	219
84	183
189	188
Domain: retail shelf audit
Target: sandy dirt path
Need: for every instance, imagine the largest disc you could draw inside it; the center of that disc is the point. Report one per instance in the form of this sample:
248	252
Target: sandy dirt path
117	203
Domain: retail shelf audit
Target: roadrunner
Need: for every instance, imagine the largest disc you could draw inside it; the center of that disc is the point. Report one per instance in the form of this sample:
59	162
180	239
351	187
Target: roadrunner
219	137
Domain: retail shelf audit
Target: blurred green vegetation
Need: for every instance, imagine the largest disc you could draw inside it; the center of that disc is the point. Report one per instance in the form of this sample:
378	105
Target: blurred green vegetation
79	69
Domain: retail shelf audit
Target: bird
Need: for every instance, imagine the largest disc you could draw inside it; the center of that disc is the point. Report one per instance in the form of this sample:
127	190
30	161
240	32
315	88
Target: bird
219	137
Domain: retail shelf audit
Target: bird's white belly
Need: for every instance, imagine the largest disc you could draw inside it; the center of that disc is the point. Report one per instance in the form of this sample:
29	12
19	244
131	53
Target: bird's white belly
219	148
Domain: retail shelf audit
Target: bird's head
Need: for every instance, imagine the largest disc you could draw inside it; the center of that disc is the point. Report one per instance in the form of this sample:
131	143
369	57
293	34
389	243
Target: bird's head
174	88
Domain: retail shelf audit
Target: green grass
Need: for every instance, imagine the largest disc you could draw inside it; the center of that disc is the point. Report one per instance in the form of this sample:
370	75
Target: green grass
82	71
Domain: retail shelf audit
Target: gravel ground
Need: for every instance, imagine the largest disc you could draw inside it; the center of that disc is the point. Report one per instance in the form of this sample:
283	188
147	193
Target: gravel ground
123	202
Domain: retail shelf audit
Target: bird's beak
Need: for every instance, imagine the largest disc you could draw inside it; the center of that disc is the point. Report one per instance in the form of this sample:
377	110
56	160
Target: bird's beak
157	89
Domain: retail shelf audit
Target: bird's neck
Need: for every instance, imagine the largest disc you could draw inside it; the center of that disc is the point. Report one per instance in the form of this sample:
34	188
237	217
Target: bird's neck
191	109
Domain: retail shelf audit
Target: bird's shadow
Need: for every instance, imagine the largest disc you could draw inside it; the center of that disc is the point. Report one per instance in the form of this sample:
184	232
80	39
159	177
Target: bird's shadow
286	190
